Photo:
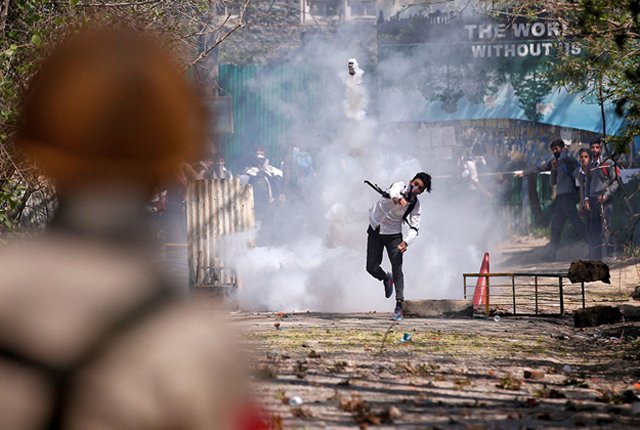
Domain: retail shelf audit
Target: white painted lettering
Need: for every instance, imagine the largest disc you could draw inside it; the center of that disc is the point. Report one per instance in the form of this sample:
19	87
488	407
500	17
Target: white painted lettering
470	30
538	29
510	50
523	50
576	49
534	49
521	29
554	29
484	31
479	51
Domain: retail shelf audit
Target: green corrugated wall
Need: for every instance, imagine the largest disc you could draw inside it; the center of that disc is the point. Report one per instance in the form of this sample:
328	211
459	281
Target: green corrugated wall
258	118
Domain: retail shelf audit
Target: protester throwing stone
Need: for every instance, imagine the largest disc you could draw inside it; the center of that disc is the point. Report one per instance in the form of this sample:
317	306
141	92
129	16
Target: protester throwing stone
397	205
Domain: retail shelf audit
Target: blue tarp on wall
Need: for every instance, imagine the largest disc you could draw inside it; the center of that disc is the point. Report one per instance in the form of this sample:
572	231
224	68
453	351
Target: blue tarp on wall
563	109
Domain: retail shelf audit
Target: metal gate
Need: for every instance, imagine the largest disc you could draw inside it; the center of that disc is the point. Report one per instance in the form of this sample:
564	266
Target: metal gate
528	293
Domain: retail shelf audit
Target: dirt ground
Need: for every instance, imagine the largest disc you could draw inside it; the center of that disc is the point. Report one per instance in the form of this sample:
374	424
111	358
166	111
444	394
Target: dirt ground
362	370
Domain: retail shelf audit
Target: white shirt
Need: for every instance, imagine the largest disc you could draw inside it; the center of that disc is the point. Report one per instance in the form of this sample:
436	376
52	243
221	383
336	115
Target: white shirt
388	215
470	174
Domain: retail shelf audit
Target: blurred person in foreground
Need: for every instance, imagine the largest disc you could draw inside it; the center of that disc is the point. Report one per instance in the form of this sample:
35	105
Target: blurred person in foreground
92	336
398	204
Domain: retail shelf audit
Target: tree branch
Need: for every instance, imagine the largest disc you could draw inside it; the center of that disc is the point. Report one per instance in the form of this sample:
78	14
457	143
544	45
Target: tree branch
4	12
107	4
206	52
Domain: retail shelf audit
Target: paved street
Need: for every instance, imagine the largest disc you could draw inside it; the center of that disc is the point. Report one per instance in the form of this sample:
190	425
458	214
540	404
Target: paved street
318	370
349	370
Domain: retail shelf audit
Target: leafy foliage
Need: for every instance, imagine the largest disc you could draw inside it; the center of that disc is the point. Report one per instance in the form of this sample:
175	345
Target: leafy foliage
28	30
609	69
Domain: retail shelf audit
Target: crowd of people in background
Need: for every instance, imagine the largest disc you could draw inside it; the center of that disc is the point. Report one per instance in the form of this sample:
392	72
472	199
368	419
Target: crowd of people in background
584	183
584	196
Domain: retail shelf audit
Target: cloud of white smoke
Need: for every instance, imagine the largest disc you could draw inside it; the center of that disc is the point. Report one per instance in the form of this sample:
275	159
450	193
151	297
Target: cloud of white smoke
316	257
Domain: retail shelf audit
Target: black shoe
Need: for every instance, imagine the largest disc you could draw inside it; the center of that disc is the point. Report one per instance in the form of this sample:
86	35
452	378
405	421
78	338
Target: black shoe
388	285
397	312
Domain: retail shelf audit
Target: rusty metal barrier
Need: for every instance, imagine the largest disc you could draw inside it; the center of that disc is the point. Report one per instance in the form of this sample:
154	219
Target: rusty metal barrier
530	293
215	208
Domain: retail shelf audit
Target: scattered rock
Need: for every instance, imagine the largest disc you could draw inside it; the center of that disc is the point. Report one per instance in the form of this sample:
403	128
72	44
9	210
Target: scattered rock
364	414
627	331
572	406
313	354
589	271
393	413
630	312
604	420
301	369
544	416
533	374
509	383
555	394
628	396
616	398
438	308
596	315
266	372
301	412
351	404
338	366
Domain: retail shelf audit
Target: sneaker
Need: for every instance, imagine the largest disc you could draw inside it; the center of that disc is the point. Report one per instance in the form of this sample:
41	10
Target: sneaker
388	285
397	313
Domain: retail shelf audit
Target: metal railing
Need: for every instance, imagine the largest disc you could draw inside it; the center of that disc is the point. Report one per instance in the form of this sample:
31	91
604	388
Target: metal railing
528	293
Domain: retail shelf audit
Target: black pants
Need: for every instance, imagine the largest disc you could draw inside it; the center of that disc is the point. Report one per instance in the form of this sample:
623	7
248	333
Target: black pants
565	209
600	239
376	243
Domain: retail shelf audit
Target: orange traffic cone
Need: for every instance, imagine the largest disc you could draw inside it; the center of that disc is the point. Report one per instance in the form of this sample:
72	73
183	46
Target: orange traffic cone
480	293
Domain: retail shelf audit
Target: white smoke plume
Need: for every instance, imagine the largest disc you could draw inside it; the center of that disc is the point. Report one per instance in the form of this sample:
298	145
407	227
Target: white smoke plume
316	255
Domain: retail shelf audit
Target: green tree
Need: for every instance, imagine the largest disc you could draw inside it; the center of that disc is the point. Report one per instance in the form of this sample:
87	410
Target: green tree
192	29
608	70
